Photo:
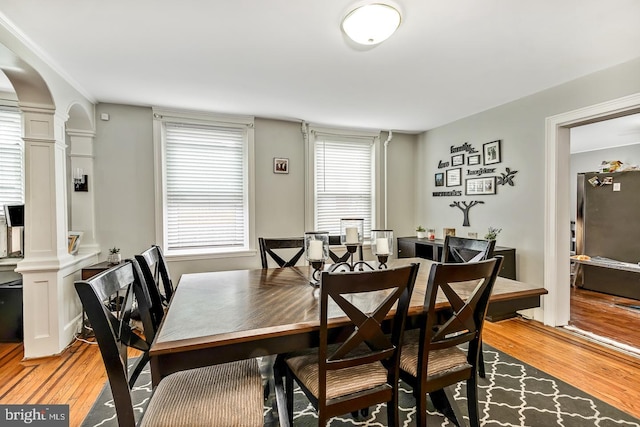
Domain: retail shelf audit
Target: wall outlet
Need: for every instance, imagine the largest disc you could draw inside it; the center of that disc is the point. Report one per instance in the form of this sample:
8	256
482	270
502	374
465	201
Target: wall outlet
616	186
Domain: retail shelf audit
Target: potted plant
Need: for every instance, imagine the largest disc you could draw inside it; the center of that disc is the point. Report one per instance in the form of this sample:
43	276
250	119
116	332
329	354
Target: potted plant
492	234
114	256
421	233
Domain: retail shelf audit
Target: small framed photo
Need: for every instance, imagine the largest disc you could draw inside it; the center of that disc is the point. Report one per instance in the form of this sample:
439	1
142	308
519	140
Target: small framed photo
480	186
473	160
449	232
454	177
491	151
439	179
280	165
457	160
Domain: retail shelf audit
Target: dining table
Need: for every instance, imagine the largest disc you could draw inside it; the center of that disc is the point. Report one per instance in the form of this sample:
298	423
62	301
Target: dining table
223	316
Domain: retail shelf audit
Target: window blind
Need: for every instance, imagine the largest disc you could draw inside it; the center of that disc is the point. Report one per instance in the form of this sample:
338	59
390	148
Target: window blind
343	183
11	159
205	186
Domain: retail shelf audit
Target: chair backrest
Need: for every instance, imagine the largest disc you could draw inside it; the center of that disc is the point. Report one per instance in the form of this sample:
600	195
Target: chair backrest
269	245
335	241
461	249
366	298
155	270
108	299
463	323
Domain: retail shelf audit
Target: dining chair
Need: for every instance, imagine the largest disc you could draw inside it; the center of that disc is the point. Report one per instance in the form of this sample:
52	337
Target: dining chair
154	268
268	247
229	394
355	366
461	249
445	350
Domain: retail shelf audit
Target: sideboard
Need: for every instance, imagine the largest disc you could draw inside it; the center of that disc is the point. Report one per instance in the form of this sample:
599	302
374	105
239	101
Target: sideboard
411	247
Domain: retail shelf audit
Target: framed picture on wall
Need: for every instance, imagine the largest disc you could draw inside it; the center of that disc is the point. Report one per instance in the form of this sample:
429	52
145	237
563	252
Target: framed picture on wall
457	160
454	177
439	179
473	160
480	186
491	151
280	165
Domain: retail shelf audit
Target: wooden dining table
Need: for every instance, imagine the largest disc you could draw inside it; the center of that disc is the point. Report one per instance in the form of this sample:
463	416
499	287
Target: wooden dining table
222	316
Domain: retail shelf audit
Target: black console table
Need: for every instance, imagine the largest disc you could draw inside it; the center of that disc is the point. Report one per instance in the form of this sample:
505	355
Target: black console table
10	307
411	247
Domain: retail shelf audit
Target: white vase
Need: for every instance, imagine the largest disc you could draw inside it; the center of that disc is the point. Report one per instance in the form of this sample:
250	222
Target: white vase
114	258
421	234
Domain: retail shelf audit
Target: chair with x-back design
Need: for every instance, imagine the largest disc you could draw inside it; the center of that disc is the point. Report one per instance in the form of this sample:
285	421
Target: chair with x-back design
361	369
269	246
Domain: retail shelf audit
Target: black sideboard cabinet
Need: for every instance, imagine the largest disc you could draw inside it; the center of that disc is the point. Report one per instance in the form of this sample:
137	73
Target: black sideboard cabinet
412	247
10	307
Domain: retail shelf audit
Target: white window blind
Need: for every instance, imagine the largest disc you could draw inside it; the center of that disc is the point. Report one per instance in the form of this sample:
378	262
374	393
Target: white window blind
205	172
343	183
11	159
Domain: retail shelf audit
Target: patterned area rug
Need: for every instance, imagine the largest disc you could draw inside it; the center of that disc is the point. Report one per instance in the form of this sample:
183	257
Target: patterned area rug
512	394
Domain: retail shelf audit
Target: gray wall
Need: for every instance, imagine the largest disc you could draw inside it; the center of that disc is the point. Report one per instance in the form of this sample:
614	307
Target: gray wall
590	161
518	210
125	191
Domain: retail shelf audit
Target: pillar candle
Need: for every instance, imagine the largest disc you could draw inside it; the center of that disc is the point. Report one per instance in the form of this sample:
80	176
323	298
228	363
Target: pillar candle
315	250
382	246
352	235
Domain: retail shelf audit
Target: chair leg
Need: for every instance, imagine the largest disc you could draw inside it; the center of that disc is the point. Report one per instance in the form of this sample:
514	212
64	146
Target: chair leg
393	417
289	392
481	372
472	402
281	394
421	408
444	403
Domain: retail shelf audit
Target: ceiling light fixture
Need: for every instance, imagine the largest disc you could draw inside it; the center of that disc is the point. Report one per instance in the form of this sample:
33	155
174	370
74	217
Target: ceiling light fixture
372	23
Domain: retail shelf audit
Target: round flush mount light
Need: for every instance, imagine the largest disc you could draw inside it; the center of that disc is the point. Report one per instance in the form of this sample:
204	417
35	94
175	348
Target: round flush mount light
372	23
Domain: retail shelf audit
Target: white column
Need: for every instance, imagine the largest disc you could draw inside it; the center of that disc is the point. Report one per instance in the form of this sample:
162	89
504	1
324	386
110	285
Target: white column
83	202
48	298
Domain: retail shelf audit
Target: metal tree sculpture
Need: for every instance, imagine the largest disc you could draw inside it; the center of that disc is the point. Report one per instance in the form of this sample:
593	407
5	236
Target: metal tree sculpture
464	207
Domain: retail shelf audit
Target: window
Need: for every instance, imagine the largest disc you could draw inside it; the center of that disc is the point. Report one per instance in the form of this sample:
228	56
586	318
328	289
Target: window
11	159
343	179
205	183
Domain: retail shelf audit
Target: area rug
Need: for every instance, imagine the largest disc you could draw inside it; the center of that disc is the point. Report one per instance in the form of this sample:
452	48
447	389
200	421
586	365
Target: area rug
512	394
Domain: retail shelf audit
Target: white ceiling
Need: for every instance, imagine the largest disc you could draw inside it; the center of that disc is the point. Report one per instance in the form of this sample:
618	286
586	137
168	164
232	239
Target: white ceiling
289	59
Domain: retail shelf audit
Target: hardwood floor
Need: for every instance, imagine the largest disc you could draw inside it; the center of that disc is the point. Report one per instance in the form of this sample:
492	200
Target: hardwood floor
77	376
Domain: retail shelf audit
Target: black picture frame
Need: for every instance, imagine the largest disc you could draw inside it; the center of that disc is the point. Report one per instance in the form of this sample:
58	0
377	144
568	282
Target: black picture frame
439	179
454	177
473	160
480	186
457	160
491	152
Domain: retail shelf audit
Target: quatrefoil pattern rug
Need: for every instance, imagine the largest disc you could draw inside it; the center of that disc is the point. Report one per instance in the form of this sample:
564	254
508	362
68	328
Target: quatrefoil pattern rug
512	394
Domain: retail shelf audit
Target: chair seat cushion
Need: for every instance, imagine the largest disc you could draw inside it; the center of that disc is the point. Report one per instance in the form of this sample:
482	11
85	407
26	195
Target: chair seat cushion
226	395
440	361
340	382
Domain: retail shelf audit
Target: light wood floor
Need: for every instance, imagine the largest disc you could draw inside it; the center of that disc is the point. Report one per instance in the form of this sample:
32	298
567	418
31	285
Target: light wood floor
77	376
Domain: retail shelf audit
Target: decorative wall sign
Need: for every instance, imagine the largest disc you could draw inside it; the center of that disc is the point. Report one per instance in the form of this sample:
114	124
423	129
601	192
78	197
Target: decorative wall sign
480	171
454	177
479	186
442	164
465	207
473	160
491	151
452	193
439	179
506	178
457	160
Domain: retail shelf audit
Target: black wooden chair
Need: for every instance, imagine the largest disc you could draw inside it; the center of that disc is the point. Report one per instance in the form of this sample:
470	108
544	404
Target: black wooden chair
459	250
154	268
361	369
268	247
431	359
220	395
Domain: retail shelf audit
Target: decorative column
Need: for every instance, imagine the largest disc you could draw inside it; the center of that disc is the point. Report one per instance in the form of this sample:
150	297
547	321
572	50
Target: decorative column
48	328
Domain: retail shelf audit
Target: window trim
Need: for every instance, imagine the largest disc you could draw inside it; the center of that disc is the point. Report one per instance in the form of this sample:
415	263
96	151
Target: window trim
314	133
160	116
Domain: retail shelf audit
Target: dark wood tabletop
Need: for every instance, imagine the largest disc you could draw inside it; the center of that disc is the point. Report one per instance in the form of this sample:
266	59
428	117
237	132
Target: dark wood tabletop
223	316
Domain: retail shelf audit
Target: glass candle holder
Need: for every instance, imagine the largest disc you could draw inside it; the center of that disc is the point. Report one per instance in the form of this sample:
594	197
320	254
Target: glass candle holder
352	231
382	245
316	251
